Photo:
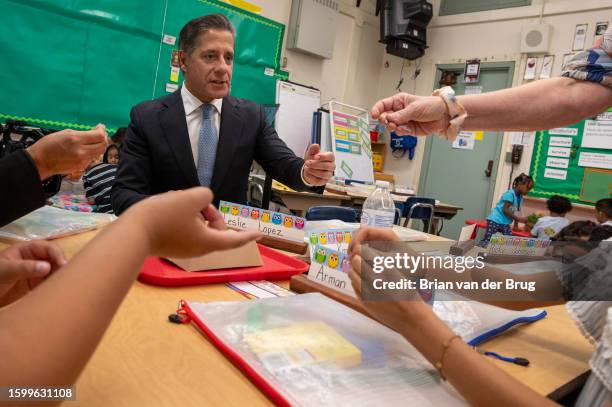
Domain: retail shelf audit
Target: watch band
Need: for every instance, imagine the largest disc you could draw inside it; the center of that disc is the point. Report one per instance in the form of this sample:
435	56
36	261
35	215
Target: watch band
455	110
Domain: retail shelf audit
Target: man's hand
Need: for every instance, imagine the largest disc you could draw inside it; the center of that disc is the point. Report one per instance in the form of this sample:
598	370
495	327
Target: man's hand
68	151
318	166
413	115
24	266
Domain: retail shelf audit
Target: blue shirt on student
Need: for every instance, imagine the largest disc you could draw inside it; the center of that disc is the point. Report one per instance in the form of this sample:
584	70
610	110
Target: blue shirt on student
497	214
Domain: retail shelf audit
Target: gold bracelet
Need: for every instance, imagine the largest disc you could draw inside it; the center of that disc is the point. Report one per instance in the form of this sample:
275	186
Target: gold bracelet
439	364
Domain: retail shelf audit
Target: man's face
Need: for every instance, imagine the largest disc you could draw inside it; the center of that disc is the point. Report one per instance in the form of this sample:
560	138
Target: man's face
208	67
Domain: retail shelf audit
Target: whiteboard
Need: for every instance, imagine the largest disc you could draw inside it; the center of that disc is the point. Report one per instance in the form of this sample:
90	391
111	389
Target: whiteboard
294	118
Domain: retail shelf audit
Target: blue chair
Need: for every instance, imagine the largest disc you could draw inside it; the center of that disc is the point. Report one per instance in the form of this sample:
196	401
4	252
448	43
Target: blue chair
417	207
331	212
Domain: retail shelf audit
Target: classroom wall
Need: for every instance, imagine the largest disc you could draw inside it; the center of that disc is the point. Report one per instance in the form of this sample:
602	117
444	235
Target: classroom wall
352	74
360	71
491	36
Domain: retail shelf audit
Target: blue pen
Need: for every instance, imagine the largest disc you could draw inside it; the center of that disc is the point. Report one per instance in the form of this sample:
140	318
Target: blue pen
517	361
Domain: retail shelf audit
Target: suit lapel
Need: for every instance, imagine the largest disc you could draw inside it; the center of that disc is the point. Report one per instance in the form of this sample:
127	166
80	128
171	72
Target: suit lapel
174	126
230	133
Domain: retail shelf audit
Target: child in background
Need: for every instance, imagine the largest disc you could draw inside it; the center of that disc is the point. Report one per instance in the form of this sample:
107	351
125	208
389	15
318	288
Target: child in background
578	230
507	209
118	137
601	233
548	226
603	211
99	179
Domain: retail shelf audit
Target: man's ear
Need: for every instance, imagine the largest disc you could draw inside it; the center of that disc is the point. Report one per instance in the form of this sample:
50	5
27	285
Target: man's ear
182	60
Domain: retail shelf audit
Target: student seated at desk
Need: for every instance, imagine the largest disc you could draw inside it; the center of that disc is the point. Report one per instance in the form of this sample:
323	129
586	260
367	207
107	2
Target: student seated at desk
548	226
99	180
507	209
603	211
479	381
48	335
577	230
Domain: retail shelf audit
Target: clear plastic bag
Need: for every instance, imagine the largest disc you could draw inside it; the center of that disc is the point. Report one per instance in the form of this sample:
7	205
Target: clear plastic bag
51	223
317	352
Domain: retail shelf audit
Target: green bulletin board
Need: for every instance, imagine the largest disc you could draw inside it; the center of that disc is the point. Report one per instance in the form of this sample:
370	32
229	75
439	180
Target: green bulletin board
574	186
597	184
76	63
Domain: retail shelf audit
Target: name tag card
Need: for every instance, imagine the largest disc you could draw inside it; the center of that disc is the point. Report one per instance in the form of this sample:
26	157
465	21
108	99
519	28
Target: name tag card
273	224
518	246
330	268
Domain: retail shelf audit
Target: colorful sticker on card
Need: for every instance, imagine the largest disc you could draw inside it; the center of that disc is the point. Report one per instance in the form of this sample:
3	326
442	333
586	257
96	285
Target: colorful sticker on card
332	259
519	246
273	224
330	268
336	239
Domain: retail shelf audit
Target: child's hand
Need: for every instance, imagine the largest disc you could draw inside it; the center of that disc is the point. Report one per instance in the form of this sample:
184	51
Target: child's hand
24	266
397	315
176	226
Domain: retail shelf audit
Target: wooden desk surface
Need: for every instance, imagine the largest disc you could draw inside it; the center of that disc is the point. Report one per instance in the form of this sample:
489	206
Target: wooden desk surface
145	360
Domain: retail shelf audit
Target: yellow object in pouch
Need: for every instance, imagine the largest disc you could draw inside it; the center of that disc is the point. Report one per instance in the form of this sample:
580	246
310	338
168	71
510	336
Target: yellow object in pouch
301	344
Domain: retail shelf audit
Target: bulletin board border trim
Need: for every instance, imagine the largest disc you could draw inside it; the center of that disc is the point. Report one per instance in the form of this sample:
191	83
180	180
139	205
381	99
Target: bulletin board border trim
55	125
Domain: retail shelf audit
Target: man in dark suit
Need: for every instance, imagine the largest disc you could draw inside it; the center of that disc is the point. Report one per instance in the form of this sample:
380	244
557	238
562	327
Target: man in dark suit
199	135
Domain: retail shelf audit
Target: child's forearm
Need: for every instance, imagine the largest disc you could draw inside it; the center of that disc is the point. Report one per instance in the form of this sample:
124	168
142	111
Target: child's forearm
479	381
51	333
511	215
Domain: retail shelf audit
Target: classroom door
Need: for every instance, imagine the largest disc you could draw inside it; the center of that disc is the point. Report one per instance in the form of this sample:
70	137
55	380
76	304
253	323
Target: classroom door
465	176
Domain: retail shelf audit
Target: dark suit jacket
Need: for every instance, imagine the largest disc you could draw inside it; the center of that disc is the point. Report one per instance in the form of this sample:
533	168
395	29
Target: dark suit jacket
156	154
21	191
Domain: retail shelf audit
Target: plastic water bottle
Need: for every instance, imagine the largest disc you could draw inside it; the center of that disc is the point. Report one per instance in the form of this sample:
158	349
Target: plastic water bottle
378	208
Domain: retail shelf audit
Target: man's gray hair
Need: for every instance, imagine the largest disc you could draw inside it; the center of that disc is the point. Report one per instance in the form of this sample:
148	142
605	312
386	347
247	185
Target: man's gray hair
189	34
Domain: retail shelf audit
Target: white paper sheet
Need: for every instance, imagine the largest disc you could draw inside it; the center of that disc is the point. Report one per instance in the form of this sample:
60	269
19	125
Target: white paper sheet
560	142
597	160
559	152
557	162
597	134
554	173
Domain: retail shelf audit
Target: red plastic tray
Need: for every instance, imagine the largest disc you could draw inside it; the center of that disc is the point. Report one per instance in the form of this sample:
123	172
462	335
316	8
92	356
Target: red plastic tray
277	266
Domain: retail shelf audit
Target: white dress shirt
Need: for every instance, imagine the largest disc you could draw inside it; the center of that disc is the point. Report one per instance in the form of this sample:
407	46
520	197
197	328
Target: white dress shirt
193	116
